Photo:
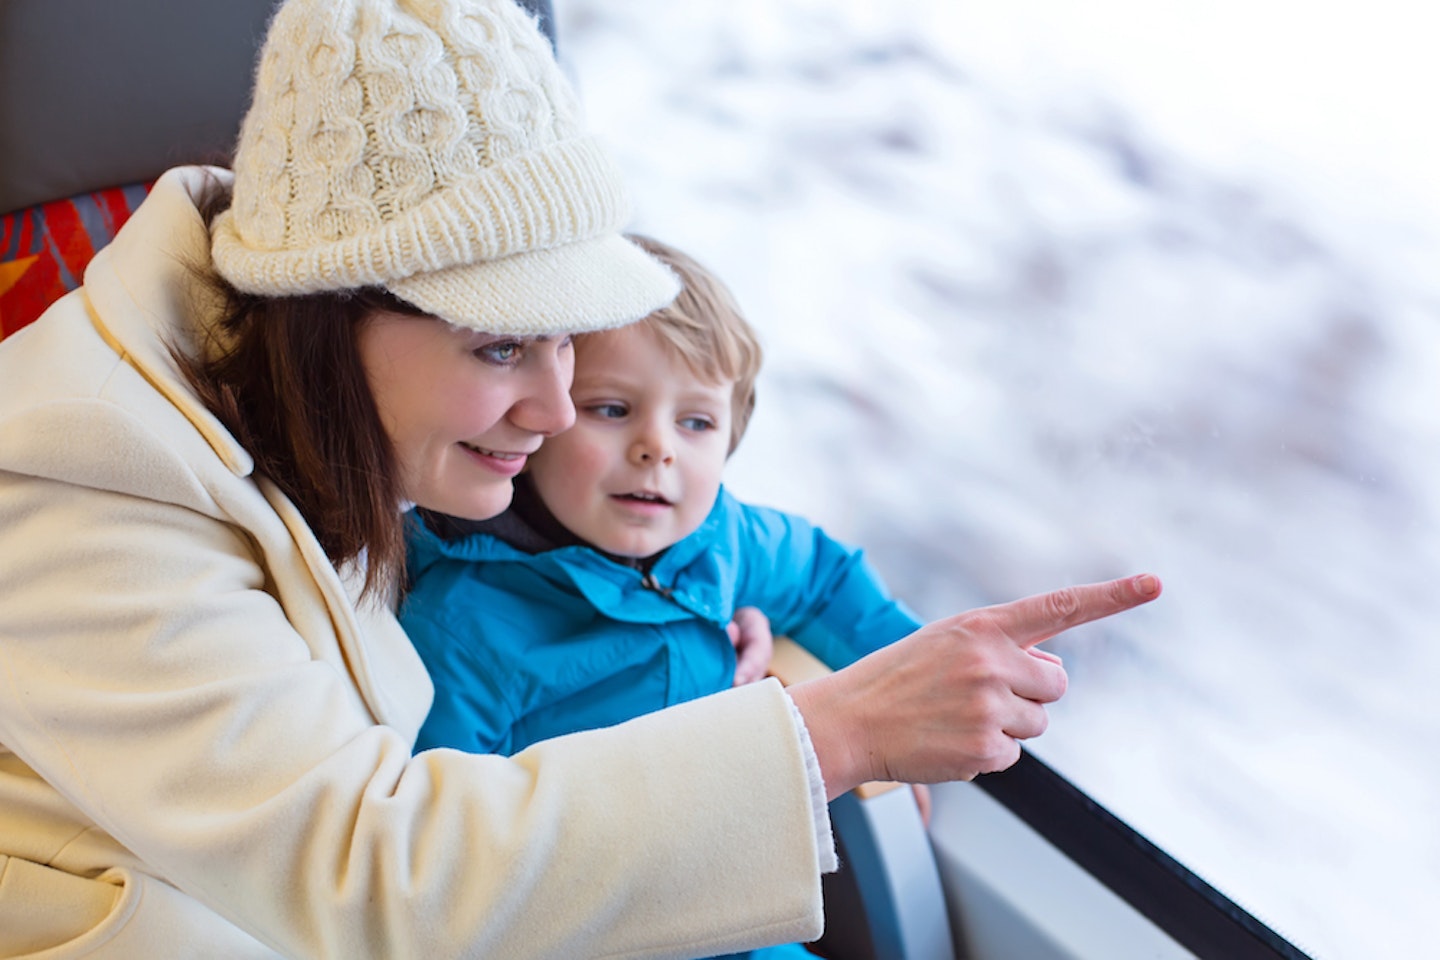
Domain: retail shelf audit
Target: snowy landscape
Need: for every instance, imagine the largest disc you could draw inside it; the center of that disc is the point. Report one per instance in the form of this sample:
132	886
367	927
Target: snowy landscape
1053	293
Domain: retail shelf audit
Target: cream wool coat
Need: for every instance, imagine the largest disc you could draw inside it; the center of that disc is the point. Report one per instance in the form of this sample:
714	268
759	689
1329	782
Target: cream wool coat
205	745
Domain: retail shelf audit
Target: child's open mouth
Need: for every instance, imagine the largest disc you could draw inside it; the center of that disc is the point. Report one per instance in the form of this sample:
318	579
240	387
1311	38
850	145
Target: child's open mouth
642	497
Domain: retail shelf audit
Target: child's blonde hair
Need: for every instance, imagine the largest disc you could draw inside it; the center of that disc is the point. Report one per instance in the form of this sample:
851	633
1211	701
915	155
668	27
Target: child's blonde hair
705	328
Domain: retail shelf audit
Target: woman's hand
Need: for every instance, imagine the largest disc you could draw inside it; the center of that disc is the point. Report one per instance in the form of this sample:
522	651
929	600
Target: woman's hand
754	644
953	699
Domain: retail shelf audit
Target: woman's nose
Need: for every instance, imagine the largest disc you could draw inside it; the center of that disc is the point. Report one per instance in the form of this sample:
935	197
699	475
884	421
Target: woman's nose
546	409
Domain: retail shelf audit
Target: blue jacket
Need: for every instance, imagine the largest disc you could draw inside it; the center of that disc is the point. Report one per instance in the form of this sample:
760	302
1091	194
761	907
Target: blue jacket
527	646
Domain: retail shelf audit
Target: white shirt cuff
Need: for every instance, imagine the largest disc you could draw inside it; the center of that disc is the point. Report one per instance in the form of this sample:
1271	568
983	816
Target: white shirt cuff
827	860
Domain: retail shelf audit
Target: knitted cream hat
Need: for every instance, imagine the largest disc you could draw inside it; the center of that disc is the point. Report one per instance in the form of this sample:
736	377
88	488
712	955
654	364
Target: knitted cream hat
431	147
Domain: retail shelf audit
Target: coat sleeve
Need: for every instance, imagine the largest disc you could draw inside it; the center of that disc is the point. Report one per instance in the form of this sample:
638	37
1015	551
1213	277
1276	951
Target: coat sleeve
149	676
821	593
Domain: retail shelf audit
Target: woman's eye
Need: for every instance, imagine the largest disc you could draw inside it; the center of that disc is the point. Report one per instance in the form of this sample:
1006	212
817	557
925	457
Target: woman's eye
501	353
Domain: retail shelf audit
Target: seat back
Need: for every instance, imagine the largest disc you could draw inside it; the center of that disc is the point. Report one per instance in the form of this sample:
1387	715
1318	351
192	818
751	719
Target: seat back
97	99
95	93
44	248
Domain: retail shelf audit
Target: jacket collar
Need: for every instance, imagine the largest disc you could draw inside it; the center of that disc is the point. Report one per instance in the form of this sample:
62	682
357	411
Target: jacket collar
692	577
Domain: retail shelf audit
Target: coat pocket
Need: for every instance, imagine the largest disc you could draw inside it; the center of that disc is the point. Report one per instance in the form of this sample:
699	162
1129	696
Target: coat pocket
42	908
48	914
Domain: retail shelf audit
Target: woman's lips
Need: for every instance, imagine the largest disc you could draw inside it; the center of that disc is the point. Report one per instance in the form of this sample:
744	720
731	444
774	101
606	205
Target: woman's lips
499	461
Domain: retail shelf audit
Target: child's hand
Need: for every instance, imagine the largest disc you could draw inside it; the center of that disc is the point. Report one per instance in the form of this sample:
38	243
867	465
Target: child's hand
754	644
922	800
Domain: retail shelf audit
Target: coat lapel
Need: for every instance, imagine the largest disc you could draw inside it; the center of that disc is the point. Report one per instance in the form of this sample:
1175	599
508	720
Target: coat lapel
142	295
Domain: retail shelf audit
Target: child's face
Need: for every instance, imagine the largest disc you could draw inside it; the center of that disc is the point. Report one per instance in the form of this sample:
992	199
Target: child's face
640	469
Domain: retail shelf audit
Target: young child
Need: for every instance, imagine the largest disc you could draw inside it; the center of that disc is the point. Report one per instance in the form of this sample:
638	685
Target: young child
605	590
528	622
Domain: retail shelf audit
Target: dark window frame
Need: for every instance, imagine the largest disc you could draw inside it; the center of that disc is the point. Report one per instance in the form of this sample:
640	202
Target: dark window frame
1191	911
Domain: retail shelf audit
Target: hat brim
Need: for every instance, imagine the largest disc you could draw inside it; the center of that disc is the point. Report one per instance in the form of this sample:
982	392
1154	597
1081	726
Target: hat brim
588	285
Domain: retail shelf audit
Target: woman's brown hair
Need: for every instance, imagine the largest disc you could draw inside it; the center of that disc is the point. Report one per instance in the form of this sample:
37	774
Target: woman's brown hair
289	384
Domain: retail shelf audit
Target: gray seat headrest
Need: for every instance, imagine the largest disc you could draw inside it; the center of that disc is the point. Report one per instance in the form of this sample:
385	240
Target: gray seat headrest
99	93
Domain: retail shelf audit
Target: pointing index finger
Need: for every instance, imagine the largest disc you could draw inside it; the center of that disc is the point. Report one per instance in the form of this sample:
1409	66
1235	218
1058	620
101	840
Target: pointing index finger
1036	619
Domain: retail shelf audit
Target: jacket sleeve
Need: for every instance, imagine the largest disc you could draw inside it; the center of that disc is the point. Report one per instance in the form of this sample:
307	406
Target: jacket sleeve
816	590
149	675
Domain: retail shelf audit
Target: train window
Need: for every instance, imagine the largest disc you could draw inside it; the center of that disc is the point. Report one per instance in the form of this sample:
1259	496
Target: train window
1057	292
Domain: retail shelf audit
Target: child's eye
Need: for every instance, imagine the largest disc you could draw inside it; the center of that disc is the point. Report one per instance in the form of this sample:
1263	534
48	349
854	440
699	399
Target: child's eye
609	411
501	353
697	424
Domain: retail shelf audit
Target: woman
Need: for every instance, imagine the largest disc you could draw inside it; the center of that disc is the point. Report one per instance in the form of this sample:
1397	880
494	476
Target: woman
208	706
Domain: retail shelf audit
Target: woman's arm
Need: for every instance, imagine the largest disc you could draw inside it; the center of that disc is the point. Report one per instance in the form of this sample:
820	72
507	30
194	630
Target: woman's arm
151	676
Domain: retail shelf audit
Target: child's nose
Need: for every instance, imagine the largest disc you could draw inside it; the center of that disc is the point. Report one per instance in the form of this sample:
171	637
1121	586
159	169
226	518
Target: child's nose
650	448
